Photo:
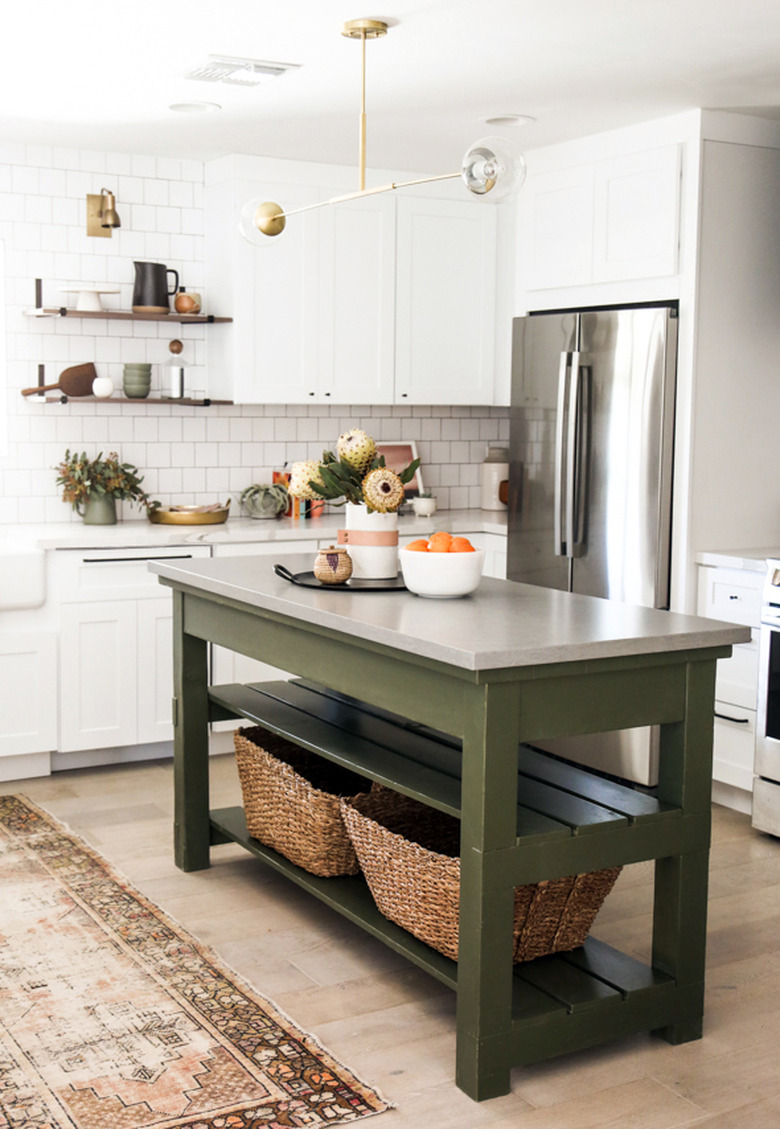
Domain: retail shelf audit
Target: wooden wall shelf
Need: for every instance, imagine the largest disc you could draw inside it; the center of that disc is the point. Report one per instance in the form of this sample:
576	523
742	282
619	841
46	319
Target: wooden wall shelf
185	401
126	315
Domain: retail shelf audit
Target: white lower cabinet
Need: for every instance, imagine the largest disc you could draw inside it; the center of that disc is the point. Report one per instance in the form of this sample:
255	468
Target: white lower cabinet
115	683
734	595
28	675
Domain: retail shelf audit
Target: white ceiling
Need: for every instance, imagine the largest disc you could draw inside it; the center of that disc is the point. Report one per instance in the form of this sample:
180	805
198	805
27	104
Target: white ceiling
101	75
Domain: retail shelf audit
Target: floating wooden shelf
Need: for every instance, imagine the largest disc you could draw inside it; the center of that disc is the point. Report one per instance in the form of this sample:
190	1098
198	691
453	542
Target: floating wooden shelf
126	315
61	398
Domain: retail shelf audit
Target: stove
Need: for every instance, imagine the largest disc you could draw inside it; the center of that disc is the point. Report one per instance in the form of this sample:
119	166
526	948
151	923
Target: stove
766	785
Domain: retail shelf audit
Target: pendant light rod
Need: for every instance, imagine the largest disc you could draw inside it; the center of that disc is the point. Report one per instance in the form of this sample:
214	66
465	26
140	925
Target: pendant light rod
279	214
362	142
363	29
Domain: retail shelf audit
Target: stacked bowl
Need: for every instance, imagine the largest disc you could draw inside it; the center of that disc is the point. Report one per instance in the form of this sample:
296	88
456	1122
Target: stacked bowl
137	380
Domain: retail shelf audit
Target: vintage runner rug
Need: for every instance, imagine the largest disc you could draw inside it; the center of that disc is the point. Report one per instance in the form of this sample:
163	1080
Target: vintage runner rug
113	1017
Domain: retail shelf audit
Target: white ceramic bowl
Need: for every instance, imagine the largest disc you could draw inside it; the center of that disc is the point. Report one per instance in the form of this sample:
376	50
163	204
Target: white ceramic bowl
441	576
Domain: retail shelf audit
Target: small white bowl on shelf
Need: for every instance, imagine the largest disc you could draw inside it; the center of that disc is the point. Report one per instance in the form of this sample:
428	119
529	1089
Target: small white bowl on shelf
441	576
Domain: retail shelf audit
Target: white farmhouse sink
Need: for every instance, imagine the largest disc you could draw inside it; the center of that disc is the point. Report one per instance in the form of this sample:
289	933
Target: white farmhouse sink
22	574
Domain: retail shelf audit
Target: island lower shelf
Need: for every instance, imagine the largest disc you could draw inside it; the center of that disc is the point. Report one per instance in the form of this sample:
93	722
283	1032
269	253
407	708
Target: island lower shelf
580	994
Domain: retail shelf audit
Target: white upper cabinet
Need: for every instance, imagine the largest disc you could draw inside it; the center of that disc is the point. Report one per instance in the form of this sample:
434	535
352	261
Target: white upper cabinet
356	340
604	221
559	237
636	216
385	299
445	302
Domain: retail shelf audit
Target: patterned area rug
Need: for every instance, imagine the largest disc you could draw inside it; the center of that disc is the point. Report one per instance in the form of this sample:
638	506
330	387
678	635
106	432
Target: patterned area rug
112	1017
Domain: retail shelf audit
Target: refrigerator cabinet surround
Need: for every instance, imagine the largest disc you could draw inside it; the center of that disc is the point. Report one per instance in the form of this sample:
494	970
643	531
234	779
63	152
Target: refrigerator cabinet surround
590	474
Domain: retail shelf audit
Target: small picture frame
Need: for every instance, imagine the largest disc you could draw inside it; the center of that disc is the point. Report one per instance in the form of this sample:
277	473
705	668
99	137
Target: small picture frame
398	455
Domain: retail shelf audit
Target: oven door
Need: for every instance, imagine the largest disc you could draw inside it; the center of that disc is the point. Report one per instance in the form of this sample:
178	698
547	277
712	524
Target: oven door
768	719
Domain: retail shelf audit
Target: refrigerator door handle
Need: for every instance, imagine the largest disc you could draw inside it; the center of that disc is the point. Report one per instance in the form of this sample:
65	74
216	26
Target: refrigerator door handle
561	460
572	422
578	427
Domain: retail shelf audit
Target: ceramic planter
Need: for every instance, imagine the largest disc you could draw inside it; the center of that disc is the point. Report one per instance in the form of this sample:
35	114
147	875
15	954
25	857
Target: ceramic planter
372	541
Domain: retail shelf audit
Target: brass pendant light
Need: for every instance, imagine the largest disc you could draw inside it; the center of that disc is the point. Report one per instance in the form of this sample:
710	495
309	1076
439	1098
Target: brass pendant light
491	169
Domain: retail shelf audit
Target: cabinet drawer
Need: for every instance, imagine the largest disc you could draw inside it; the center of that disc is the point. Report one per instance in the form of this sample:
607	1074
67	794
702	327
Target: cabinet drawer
734	744
737	680
731	594
115	574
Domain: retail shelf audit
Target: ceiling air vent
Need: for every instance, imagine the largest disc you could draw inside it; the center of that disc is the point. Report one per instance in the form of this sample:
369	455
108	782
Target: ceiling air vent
237	72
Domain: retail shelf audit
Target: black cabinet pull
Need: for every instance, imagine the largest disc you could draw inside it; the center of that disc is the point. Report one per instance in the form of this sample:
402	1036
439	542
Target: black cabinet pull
736	720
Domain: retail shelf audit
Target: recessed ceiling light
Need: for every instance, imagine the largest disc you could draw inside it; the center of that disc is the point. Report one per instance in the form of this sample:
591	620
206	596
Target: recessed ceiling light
195	107
509	119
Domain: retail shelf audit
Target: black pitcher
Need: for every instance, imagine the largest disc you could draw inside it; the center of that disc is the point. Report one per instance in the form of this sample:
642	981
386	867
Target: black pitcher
150	292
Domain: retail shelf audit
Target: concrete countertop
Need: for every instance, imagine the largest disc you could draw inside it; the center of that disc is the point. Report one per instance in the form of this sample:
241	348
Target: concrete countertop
749	560
142	533
502	624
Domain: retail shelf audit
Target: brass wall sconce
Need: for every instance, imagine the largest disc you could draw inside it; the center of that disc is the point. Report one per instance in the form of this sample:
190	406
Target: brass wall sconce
102	215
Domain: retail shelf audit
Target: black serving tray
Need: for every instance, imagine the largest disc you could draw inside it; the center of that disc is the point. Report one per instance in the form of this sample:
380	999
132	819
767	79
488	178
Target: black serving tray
309	580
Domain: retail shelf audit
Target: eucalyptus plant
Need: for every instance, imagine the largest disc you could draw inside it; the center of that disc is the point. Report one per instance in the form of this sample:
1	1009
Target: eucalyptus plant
80	477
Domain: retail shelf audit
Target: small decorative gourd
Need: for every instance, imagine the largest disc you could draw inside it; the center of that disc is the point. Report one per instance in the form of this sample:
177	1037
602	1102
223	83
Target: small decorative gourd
333	565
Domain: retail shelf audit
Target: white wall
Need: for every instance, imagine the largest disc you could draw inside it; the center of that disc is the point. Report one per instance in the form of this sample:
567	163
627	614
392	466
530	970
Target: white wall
187	454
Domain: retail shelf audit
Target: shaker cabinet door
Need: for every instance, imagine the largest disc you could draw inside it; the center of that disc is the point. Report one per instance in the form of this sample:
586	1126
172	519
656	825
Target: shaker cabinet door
356	339
445	299
98	675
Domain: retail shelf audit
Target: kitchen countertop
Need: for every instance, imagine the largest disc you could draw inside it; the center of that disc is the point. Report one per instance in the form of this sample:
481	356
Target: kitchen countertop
750	560
142	533
502	624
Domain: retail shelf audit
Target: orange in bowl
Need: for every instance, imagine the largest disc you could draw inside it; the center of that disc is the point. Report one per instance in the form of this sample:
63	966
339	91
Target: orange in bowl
418	546
439	542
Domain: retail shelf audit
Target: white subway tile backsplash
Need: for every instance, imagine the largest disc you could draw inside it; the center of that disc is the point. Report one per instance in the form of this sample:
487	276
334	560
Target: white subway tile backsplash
144	165
93	161
218	482
38	155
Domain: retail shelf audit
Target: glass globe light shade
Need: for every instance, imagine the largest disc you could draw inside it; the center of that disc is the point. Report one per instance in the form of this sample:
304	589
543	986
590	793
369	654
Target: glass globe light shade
257	212
493	169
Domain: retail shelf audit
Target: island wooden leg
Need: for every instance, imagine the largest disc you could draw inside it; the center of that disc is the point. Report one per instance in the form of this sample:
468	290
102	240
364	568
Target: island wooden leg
680	902
190	745
488	826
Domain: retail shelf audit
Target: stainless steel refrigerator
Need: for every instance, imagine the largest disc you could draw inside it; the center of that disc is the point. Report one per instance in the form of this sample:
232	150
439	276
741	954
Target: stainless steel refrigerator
590	477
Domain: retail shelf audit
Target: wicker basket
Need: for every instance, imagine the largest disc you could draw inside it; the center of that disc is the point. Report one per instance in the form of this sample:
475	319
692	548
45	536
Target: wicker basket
408	853
291	800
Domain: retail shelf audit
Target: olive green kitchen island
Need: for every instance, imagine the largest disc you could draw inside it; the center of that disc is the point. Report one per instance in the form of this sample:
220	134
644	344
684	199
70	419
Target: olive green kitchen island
510	664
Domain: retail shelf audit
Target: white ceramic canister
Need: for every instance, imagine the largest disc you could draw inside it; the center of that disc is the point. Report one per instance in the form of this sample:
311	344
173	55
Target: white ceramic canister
102	387
176	381
494	471
372	541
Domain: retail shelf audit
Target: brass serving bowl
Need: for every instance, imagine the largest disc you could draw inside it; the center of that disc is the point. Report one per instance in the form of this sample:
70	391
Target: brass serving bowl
190	515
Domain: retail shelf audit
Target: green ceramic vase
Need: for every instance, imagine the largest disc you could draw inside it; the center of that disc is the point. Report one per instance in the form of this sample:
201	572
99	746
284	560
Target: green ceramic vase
99	509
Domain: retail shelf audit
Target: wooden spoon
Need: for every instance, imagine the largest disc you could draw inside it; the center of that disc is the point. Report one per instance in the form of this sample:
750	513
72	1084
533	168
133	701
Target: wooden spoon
74	381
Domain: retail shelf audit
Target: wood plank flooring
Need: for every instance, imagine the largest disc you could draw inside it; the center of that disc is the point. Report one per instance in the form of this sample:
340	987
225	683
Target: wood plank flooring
394	1025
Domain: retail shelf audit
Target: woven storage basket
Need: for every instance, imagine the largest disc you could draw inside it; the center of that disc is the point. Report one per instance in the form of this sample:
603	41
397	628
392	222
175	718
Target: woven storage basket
291	800
408	853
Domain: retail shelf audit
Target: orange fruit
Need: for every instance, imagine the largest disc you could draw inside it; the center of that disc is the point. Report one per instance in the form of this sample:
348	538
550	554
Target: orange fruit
439	542
419	546
461	545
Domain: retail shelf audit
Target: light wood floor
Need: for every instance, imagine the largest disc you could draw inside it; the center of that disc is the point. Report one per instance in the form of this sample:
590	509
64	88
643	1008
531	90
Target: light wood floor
393	1025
